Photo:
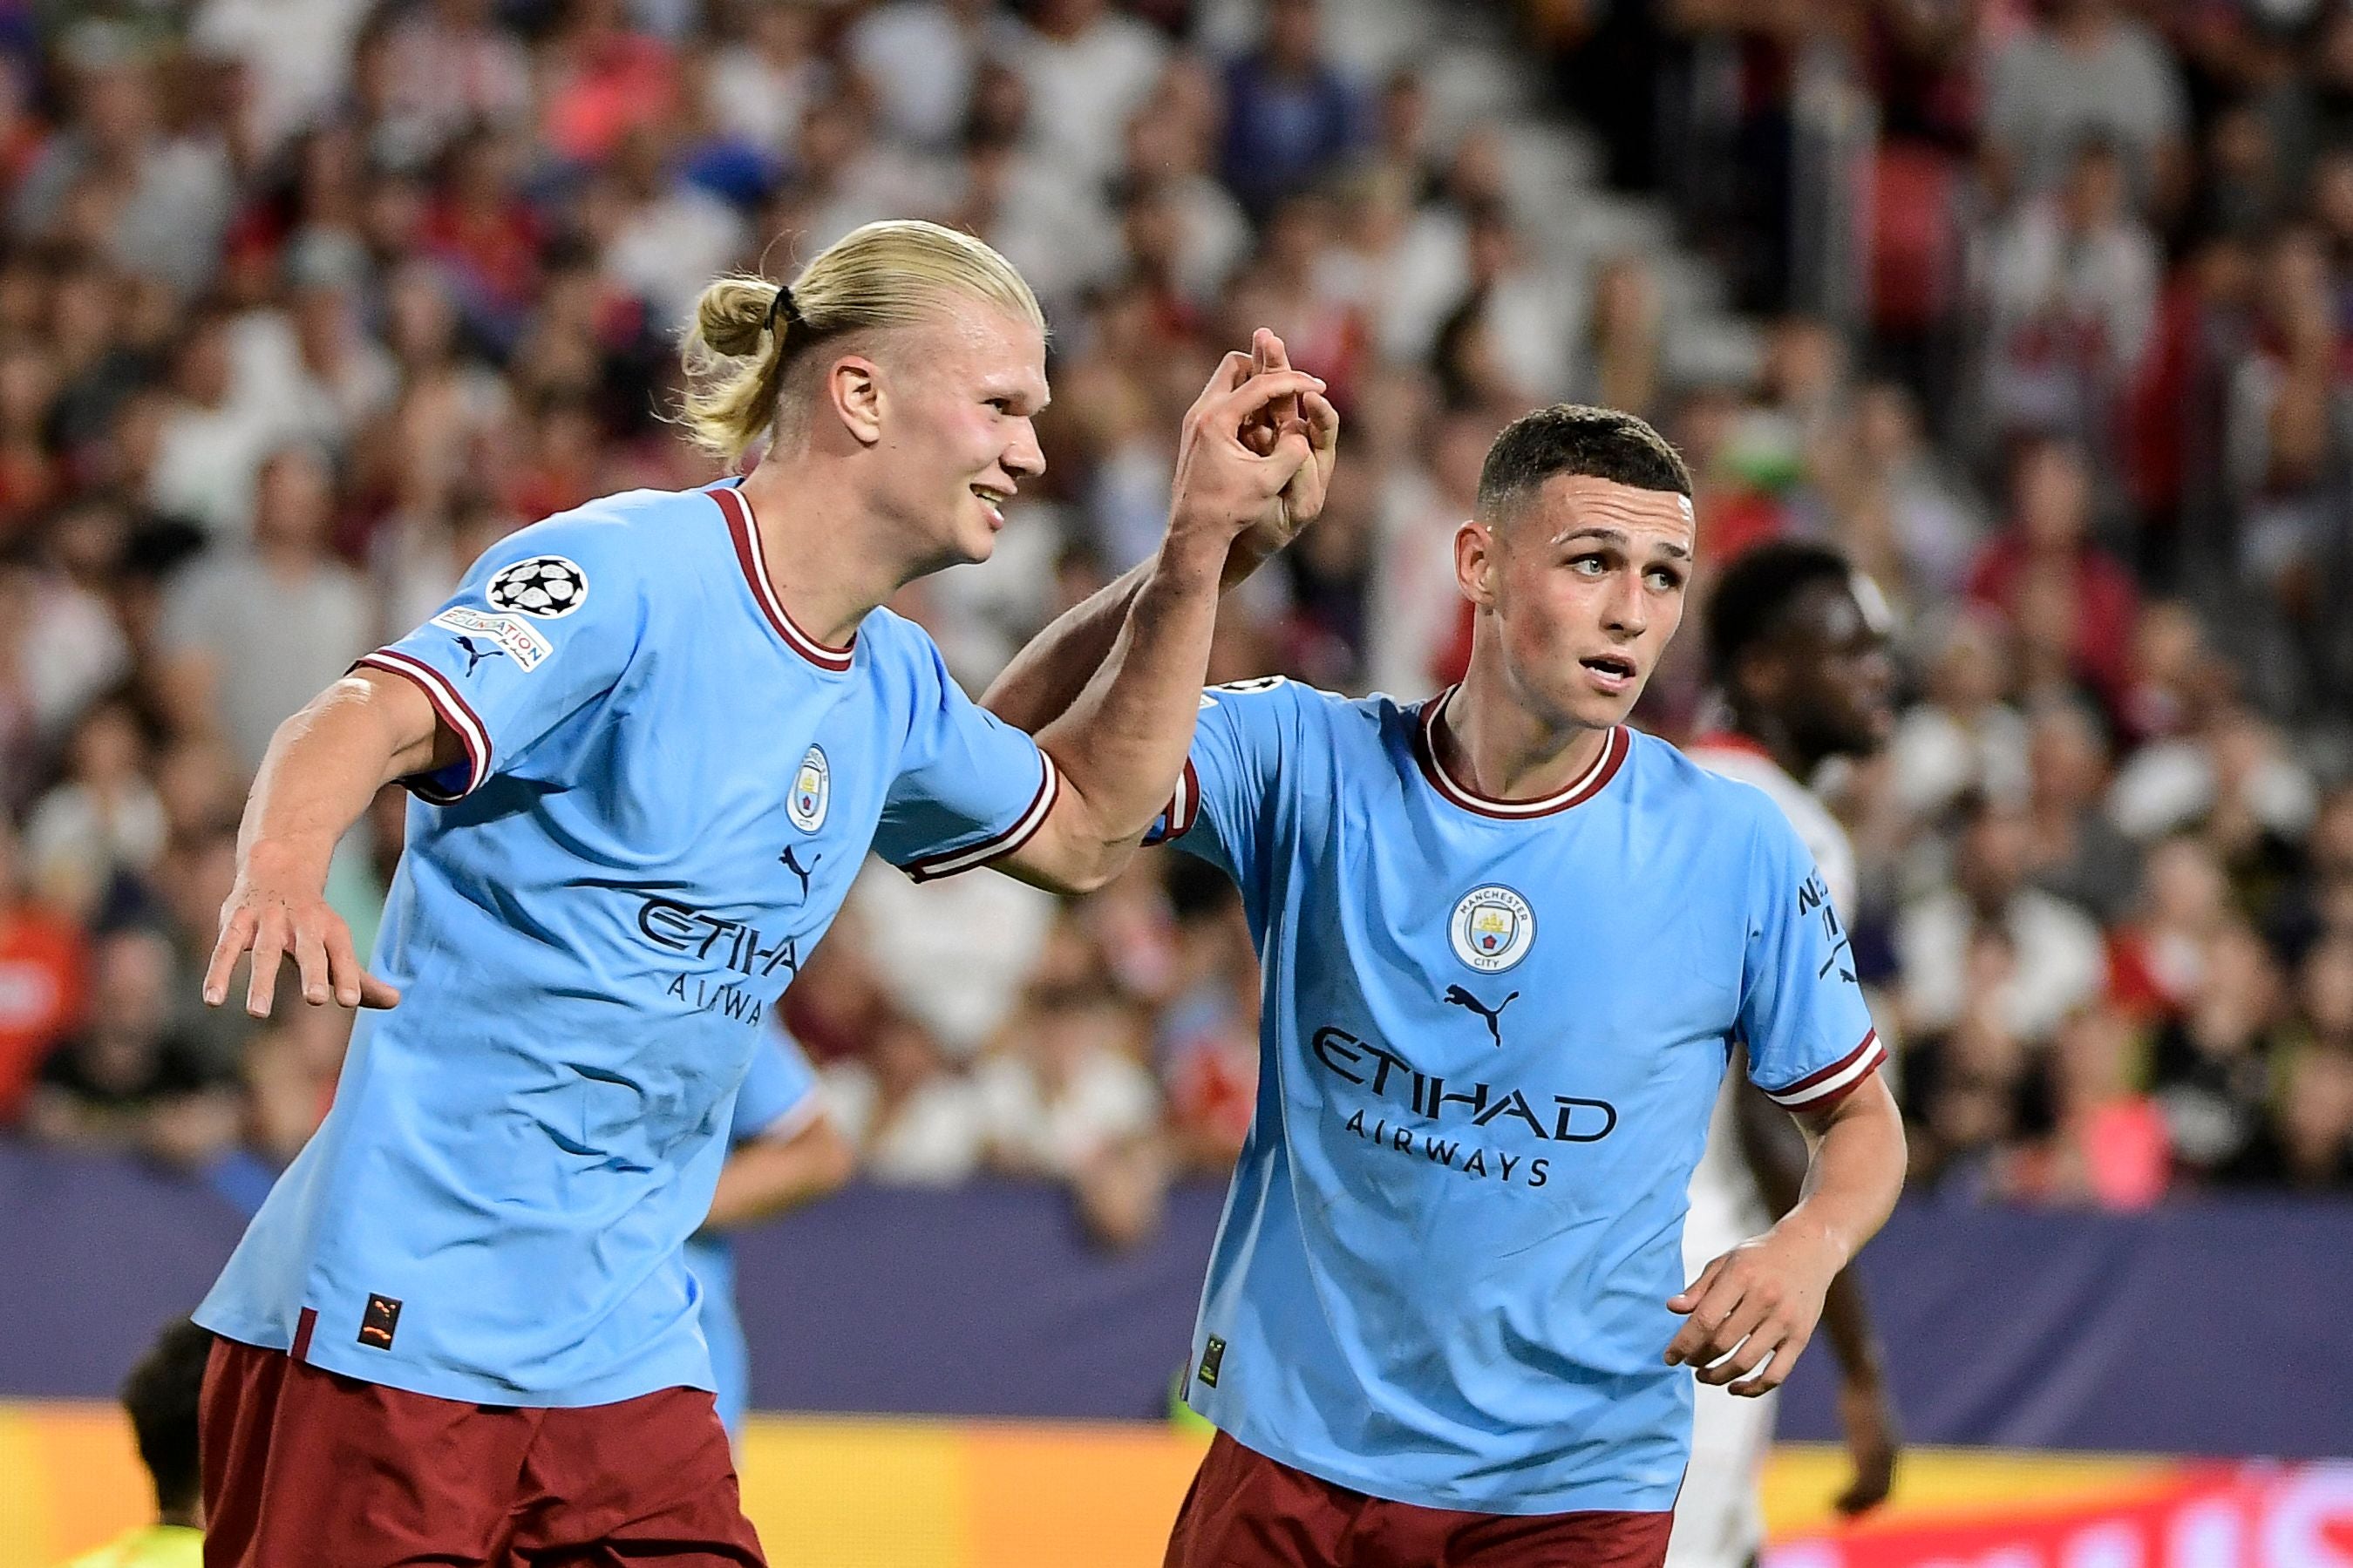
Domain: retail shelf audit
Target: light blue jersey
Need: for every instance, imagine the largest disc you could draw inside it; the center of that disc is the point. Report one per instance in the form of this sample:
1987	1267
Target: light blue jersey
777	1100
1492	1033
667	790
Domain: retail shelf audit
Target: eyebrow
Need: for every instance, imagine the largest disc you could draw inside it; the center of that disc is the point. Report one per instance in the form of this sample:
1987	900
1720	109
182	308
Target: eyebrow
1617	536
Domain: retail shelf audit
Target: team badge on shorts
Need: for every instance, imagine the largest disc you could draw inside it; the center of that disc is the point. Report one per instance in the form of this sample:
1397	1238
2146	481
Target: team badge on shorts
1493	929
812	791
548	586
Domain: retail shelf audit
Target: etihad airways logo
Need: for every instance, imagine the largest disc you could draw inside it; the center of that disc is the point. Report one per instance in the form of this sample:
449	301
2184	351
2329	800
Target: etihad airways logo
1551	1116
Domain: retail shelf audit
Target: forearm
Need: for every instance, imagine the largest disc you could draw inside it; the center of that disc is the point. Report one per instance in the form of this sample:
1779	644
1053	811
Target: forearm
1856	1174
1047	674
1775	1152
767	1178
324	766
1121	743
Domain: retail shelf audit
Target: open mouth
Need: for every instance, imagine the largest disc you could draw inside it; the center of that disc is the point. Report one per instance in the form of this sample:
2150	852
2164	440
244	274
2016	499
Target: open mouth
1612	671
994	500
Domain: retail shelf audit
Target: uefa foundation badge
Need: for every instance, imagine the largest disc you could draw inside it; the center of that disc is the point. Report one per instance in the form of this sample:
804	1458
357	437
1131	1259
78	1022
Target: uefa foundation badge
1493	929
812	791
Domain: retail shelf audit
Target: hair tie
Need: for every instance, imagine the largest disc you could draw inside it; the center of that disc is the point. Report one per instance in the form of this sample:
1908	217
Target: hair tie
781	306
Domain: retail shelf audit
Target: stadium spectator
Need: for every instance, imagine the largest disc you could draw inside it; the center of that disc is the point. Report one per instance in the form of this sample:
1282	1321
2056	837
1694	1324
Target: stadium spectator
1066	1089
2109	1146
1962	738
2308	1146
2212	1065
103	820
2076	852
247	636
2157	955
2072	296
2083	67
2043	960
913	1121
42	963
2048	544
127	1080
1291	115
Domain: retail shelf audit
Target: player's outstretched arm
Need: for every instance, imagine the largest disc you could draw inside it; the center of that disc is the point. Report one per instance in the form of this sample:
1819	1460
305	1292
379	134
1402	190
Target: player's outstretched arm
1776	1155
1752	1311
323	766
772	1175
1122	743
1045	678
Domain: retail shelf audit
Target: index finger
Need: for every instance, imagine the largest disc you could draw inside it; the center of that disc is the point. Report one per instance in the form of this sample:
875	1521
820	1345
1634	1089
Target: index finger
1230	409
1232	371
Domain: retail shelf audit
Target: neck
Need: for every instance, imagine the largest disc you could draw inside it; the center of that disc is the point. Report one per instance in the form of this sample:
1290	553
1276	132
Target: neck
1496	742
1768	731
829	555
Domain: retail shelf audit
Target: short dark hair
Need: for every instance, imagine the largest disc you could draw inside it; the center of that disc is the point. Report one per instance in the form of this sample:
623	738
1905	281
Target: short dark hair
162	1395
1754	595
1571	438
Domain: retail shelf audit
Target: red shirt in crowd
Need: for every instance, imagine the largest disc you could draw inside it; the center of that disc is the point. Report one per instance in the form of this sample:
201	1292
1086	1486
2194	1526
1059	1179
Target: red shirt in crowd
41	988
2106	605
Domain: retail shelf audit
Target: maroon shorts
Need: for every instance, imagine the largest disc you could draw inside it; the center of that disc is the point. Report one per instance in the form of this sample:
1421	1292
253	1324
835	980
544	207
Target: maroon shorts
304	1468
1246	1510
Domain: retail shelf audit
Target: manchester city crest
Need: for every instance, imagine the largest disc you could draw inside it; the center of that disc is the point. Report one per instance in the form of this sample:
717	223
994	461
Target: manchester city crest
812	791
1493	929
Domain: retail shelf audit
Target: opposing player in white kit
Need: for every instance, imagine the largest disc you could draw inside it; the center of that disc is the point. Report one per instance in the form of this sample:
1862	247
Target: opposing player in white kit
1797	643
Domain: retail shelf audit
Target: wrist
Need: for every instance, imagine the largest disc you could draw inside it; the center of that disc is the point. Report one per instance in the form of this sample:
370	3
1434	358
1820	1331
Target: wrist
1191	557
289	857
1815	1239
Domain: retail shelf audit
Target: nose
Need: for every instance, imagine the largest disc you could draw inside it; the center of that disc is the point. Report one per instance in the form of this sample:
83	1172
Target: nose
1625	611
1025	458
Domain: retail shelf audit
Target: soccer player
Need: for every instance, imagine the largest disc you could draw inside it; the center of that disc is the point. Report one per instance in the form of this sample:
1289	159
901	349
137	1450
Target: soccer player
160	1396
651	740
1796	646
784	1152
1509	944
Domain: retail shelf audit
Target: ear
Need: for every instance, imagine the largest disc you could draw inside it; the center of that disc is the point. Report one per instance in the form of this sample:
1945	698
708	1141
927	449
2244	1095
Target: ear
853	391
1475	562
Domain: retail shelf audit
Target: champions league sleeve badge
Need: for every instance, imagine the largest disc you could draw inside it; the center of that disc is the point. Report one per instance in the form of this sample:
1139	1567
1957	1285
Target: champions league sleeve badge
1493	929
547	586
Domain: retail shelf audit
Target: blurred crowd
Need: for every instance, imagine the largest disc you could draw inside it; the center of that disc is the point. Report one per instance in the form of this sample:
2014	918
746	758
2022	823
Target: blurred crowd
2041	310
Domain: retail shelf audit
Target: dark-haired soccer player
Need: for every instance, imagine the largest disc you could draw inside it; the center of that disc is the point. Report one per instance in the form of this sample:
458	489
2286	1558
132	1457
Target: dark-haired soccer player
1509	946
1797	648
161	1397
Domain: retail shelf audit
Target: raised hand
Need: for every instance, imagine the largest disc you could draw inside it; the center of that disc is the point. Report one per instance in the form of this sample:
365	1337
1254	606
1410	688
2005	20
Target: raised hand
1235	466
1310	415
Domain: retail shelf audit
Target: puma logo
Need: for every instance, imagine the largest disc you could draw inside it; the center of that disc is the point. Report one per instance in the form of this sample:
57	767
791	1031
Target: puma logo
1458	997
475	654
794	866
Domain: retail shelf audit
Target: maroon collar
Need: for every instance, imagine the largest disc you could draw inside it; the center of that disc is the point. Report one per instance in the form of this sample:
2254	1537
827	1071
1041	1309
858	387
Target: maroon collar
1614	749
746	536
